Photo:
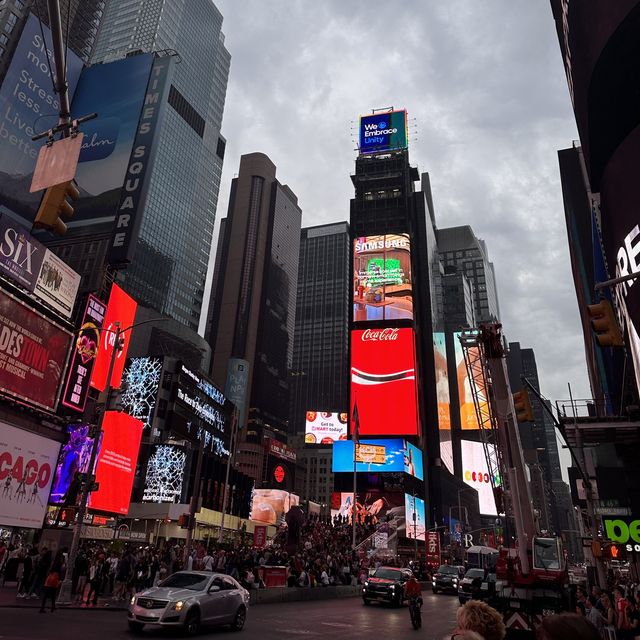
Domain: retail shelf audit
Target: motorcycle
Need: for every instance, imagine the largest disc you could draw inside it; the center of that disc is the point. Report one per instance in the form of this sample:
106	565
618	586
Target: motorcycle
415	611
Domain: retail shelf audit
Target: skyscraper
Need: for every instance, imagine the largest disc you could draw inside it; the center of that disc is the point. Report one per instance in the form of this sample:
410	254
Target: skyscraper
80	19
461	251
319	379
253	307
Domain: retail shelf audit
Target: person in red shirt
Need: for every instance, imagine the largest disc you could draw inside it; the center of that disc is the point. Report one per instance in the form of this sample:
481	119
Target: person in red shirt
412	589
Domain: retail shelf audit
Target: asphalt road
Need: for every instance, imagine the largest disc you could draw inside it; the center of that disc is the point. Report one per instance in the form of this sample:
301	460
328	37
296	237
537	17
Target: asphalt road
343	619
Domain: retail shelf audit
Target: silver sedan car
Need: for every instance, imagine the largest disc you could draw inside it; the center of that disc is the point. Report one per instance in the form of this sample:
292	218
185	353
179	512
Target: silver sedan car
189	600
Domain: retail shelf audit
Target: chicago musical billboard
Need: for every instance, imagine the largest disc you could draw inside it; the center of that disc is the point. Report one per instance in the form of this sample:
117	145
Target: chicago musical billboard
383	382
383	285
27	462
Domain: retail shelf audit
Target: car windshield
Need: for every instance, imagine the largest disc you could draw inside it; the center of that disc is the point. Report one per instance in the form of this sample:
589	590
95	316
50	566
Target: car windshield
387	574
191	581
475	573
448	570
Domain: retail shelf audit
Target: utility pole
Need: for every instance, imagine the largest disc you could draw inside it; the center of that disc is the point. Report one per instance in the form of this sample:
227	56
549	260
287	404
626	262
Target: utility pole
60	62
65	595
193	503
230	461
415	529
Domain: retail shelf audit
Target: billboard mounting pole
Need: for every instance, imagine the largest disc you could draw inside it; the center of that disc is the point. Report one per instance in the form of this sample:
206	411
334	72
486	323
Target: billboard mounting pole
234	427
60	62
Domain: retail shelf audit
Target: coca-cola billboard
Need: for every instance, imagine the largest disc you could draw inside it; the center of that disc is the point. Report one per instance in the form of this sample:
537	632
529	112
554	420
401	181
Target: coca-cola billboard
383	382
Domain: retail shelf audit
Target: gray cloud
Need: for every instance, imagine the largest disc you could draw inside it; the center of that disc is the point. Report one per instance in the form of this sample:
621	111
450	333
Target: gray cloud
485	89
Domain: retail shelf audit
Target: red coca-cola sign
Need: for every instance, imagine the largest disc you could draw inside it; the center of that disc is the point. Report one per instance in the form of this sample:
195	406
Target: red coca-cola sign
380	335
383	382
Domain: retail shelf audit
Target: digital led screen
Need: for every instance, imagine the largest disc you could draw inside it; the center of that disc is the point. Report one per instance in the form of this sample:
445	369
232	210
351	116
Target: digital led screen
468	417
27	463
442	394
121	308
382	132
324	427
269	506
475	473
165	471
140	381
389	455
415	508
116	463
383	382
382	281
74	458
376	505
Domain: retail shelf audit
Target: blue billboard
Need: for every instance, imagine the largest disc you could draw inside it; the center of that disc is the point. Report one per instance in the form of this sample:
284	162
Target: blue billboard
115	91
381	132
416	517
28	105
387	455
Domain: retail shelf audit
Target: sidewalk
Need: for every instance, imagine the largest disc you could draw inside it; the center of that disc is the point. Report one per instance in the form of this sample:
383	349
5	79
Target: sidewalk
8	598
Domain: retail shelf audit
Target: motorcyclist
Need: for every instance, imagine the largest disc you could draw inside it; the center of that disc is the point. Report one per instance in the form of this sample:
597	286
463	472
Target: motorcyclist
412	589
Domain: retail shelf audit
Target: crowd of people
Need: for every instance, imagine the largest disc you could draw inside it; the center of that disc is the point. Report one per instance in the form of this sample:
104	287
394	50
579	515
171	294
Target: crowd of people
615	613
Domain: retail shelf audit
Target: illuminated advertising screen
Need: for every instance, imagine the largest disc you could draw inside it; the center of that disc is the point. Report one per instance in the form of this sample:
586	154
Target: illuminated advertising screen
475	473
165	472
140	381
27	463
268	506
323	427
378	506
383	382
468	417
74	458
116	463
416	517
389	455
442	394
84	355
121	308
382	281
381	132
33	353
29	105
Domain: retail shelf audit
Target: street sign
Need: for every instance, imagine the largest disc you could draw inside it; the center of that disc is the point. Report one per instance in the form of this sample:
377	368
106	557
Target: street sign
57	163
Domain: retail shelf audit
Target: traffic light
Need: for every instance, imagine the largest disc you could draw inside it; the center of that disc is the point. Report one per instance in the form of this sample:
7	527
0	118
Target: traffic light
183	521
522	405
55	206
604	323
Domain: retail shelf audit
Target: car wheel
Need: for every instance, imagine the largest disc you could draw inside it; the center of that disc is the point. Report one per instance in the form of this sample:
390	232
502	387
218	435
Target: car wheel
136	627
192	623
366	602
240	619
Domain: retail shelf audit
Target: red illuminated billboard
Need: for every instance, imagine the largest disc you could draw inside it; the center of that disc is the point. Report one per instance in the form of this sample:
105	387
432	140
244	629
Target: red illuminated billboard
383	382
116	463
122	309
33	353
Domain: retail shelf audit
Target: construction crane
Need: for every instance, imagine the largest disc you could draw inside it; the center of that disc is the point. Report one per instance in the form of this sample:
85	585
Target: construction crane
532	576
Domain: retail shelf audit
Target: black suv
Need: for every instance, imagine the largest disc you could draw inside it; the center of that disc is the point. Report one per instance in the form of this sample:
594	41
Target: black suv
386	585
446	578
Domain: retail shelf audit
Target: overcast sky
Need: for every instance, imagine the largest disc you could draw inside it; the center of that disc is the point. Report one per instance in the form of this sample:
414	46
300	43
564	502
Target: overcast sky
488	105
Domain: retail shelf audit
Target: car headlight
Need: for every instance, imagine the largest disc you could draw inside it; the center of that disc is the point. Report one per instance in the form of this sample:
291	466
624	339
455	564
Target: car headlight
433	583
177	606
392	587
133	600
366	584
